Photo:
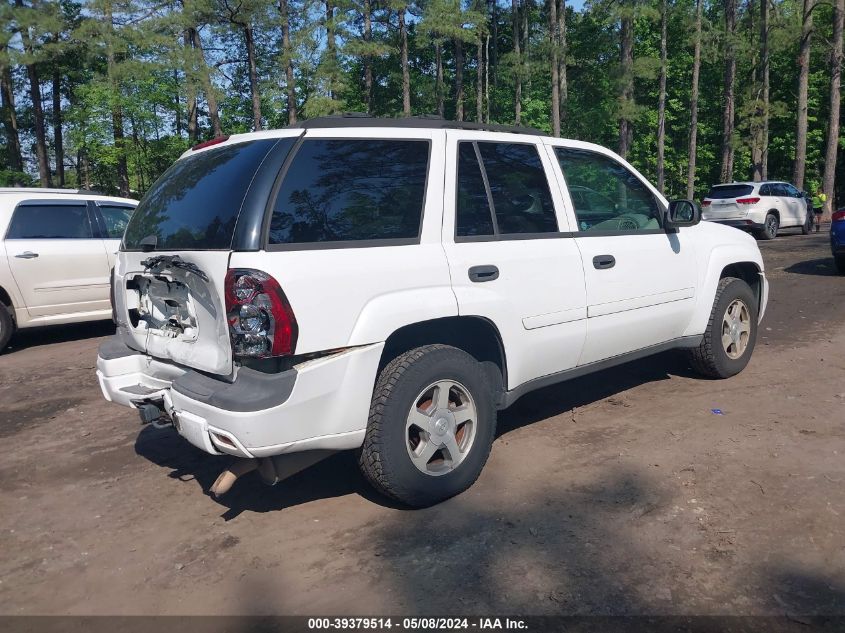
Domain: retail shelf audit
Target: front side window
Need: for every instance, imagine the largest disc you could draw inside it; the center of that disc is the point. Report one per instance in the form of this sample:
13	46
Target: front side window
507	193
606	195
45	221
115	219
347	190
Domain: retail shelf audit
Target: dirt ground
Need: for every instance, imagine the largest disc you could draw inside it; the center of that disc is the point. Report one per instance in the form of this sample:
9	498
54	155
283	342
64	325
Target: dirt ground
618	493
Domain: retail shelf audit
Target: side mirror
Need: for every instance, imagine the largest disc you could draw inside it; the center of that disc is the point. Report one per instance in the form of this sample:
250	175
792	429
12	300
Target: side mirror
682	213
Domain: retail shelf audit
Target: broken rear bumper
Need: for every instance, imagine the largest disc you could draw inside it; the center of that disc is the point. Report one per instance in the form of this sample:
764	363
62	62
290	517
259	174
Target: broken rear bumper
319	404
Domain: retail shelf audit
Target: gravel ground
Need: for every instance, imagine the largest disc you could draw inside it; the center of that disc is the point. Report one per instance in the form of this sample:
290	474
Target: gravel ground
618	493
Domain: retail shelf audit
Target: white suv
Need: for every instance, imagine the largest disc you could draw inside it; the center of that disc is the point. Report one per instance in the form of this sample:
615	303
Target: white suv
387	286
760	207
57	250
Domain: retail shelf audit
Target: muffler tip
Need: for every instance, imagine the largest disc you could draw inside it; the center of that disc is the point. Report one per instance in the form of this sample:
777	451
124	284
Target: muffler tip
228	477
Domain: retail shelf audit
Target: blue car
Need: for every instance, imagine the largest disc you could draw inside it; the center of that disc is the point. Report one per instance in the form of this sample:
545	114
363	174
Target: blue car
837	239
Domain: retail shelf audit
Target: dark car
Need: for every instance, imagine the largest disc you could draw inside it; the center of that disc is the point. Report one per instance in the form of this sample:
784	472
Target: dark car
837	239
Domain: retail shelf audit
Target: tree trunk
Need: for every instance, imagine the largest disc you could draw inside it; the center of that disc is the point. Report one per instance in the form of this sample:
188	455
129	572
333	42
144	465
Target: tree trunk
693	133
661	101
555	69
835	102
116	110
561	47
626	130
526	40
191	92
438	88
459	80
727	170
58	140
37	110
406	76
10	119
177	104
493	59
517	117
487	79
207	86
331	47
249	39
368	58
290	80
479	84
803	90
760	125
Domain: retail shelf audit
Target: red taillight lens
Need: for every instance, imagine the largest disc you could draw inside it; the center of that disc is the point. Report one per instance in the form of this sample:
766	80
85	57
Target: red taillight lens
261	321
839	215
215	141
747	200
705	203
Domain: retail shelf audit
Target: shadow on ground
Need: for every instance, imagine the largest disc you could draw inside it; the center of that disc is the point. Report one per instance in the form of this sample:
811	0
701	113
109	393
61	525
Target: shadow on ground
823	267
48	335
338	475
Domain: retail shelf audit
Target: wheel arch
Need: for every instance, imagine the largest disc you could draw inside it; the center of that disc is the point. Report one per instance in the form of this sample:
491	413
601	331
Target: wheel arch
6	300
749	272
477	336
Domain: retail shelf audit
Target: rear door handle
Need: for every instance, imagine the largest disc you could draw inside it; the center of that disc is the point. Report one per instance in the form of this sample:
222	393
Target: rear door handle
604	261
27	255
483	273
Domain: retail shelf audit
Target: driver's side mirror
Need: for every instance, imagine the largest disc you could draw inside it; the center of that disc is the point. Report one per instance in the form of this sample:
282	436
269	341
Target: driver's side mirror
682	213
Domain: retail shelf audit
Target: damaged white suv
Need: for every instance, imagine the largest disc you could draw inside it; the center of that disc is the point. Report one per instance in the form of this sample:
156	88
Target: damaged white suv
388	285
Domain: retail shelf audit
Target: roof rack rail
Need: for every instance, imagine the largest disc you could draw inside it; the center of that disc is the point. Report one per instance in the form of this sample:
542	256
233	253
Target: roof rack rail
90	192
427	121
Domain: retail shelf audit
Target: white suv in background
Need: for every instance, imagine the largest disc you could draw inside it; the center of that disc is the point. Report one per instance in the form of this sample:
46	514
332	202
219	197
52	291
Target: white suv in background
388	285
760	207
57	250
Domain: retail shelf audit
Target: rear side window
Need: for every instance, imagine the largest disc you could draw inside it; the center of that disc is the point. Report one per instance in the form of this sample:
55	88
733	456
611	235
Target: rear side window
721	192
352	190
115	219
50	222
511	181
195	203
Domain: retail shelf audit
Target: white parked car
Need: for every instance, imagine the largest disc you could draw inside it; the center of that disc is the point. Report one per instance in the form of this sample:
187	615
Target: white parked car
58	248
760	207
388	285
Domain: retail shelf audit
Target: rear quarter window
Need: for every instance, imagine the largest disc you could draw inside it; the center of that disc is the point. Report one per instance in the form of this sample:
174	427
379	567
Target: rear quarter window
721	192
352	190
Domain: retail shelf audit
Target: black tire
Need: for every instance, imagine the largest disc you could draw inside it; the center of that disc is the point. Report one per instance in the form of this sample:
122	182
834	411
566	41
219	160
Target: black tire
710	359
7	326
770	227
384	459
808	224
840	264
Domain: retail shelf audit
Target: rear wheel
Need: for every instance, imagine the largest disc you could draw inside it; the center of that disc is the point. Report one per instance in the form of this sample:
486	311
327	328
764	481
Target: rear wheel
7	326
840	264
731	332
808	224
770	227
432	423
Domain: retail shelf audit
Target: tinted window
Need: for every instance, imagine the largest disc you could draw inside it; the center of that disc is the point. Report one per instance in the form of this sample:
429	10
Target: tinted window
765	190
521	197
606	195
50	221
792	192
195	203
721	192
115	219
351	190
473	215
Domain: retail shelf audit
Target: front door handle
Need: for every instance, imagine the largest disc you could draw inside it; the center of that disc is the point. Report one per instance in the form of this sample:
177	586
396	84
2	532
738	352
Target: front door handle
483	273
604	261
27	255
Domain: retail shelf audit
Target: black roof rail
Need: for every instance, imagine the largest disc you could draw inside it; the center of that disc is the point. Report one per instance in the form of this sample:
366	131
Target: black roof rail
425	121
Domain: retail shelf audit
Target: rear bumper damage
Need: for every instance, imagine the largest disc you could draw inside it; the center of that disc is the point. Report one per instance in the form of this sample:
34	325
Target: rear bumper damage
320	404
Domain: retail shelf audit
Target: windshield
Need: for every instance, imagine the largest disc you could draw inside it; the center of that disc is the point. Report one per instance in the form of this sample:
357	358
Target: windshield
195	203
720	192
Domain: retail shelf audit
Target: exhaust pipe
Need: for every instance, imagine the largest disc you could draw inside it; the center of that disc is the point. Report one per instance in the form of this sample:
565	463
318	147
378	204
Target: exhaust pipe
272	470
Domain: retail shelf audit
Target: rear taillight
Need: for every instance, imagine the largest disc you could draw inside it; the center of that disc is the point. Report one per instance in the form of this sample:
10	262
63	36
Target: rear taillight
747	200
839	215
261	321
705	203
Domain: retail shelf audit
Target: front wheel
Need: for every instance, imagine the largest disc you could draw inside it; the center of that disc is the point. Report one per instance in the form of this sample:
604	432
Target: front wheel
7	326
770	227
731	331
432	423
